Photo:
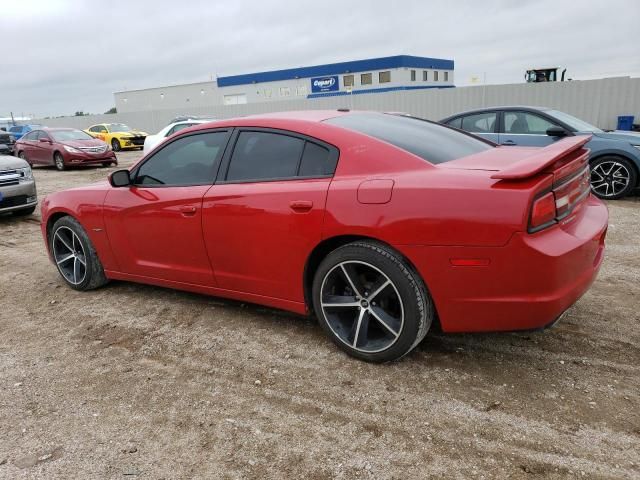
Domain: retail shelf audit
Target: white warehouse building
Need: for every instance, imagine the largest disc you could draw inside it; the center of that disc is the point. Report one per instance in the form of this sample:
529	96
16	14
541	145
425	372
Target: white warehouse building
369	76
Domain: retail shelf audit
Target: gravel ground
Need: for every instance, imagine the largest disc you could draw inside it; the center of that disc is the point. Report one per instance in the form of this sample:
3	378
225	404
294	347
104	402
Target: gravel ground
133	381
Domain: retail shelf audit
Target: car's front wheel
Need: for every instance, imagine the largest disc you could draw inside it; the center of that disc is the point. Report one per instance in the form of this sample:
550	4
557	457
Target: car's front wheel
370	302
23	156
58	161
75	256
612	177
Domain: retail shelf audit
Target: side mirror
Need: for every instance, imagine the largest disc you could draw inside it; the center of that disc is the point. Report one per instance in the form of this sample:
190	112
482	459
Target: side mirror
556	132
120	178
45	140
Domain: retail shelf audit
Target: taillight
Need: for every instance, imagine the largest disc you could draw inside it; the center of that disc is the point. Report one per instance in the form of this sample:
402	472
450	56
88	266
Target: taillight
543	212
560	202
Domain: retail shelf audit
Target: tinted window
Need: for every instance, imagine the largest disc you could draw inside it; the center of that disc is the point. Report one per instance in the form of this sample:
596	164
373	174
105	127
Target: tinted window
430	141
456	122
31	136
527	123
263	155
480	122
15	129
316	161
189	160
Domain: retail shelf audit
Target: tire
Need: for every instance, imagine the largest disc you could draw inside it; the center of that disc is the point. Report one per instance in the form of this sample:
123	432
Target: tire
106	164
58	161
24	211
612	177
22	156
115	145
67	237
380	325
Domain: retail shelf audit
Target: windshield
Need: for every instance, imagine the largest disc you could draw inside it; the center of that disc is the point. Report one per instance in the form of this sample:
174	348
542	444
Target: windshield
66	135
431	141
119	127
575	123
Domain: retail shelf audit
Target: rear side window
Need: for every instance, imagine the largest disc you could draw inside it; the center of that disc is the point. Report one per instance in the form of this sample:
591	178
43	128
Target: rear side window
264	155
480	122
316	161
431	141
456	122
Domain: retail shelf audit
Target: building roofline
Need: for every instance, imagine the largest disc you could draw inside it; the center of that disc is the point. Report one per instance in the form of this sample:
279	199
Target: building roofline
381	63
167	86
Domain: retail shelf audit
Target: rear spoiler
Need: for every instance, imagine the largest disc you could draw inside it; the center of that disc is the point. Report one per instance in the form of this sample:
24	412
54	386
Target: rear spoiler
542	159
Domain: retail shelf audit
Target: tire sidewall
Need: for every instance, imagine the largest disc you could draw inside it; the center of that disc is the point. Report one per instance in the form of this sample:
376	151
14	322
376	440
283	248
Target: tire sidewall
415	302
115	145
633	177
60	166
93	267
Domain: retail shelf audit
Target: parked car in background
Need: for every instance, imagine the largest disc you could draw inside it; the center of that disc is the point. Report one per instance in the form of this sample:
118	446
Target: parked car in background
184	118
64	147
152	140
118	135
18	131
17	186
7	142
615	156
378	223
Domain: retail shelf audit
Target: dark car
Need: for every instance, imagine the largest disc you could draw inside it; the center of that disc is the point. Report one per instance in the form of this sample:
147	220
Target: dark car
615	156
63	147
7	142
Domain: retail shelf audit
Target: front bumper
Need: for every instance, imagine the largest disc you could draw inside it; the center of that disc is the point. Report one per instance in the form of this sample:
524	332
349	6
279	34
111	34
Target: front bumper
18	197
89	158
526	284
135	142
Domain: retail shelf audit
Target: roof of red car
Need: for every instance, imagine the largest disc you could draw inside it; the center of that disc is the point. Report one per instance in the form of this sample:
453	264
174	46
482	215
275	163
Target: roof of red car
308	115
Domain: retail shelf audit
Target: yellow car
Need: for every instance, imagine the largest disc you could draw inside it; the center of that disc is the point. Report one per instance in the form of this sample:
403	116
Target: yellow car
118	135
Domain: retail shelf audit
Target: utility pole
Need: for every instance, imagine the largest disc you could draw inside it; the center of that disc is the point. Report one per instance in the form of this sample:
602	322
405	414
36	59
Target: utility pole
13	122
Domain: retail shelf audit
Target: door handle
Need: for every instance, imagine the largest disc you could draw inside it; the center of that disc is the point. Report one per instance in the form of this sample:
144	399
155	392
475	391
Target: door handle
508	142
301	206
188	211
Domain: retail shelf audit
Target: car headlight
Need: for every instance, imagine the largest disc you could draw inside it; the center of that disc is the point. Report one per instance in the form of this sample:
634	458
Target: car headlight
71	149
26	172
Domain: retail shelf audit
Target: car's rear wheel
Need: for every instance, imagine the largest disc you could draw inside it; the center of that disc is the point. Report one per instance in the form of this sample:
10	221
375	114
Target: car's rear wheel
75	256
370	302
58	161
115	145
106	164
612	177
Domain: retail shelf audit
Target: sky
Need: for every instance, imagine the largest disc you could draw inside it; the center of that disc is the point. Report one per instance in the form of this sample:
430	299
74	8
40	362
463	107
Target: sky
61	56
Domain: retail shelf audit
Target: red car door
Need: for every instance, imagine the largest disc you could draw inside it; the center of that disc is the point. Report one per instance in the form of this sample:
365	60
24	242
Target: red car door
155	225
27	145
42	148
264	214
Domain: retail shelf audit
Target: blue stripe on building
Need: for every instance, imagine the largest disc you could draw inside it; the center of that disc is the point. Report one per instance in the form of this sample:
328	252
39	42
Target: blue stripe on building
374	90
383	63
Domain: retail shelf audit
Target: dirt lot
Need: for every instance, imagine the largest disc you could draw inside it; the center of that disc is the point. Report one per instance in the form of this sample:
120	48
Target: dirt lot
133	381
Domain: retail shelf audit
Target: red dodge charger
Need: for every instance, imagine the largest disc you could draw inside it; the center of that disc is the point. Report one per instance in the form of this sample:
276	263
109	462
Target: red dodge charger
377	223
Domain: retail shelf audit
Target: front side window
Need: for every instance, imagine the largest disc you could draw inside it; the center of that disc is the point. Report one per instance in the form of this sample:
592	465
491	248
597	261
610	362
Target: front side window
190	160
366	79
480	122
384	77
95	129
431	141
264	155
455	123
525	123
31	136
347	80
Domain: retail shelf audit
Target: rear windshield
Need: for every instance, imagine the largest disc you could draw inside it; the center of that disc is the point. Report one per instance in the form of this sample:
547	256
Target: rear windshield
431	141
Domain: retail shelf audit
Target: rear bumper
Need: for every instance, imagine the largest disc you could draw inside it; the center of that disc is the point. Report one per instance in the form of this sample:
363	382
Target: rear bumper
526	284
